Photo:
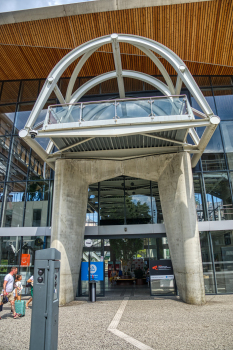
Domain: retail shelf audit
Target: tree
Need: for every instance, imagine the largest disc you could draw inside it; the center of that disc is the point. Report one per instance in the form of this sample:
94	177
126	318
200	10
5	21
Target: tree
125	249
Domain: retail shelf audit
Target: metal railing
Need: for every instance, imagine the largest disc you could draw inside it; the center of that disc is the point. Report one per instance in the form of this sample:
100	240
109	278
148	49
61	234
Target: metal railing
119	108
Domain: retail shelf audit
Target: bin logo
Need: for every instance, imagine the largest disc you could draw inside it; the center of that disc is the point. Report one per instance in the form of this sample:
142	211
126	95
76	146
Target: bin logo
93	269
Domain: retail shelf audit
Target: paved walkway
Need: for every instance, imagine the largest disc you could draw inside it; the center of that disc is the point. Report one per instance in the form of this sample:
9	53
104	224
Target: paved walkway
132	322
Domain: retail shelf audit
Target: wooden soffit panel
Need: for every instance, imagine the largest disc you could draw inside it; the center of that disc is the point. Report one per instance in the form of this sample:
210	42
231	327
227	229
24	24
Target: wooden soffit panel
200	33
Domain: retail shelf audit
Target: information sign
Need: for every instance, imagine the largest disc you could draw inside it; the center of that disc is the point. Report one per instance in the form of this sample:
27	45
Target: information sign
88	243
96	271
161	269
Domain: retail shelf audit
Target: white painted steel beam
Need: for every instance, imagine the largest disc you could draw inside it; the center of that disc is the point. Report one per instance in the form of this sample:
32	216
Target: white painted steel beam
59	94
198	113
166	139
76	73
207	134
92	45
160	66
73	145
120	154
149	47
178	85
49	147
111	75
121	130
194	136
117	61
34	145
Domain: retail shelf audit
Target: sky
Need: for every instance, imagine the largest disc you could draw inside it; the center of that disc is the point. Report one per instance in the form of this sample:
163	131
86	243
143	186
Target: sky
16	5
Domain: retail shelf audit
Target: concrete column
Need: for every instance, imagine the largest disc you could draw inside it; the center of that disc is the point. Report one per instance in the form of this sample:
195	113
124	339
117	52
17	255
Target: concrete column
178	204
68	224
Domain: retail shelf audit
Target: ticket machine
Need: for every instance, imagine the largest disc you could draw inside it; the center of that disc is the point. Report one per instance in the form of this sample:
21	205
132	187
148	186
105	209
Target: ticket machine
44	321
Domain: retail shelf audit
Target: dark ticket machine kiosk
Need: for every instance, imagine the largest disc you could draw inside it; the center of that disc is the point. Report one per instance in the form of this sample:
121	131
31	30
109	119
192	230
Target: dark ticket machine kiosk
44	322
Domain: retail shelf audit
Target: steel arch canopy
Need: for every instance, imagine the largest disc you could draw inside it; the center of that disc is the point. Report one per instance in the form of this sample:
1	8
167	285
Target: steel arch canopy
169	135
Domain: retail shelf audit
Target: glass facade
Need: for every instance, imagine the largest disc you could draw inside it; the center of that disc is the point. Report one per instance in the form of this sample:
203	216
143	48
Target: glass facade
26	182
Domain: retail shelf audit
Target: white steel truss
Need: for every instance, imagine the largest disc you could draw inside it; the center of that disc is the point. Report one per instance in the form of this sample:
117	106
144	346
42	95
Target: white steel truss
122	127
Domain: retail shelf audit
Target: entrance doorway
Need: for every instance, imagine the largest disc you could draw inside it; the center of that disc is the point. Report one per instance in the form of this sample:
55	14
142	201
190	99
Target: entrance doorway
128	264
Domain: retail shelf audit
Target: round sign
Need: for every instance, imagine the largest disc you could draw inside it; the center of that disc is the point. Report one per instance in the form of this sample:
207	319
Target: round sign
88	243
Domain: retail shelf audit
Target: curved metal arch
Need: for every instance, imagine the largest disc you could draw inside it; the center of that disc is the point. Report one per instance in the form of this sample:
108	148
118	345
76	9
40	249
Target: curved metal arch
134	40
160	66
175	62
76	73
111	75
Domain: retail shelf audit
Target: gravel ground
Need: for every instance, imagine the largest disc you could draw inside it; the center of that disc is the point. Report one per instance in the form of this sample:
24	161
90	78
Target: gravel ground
162	323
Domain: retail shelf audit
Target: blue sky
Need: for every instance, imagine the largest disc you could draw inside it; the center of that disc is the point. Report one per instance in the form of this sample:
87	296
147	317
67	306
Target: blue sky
16	5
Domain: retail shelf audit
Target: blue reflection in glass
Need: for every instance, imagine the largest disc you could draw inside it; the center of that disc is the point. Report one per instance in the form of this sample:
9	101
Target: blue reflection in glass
215	143
227	132
224	105
210	101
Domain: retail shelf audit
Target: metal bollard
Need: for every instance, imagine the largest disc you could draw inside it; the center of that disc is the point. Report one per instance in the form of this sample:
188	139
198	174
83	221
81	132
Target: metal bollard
92	291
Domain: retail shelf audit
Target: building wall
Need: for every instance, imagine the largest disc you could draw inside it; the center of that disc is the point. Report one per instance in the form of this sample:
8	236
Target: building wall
26	183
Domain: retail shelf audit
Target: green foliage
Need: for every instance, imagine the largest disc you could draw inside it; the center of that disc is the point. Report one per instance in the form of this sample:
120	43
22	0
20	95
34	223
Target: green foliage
135	212
126	248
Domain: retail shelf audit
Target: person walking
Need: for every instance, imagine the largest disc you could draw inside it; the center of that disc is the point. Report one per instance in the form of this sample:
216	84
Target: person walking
18	288
30	280
8	288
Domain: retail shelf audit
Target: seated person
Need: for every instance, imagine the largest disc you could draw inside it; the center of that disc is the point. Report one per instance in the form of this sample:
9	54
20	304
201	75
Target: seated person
113	275
120	273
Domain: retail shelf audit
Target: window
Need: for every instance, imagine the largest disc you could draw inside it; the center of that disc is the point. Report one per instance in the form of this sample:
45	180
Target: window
36	220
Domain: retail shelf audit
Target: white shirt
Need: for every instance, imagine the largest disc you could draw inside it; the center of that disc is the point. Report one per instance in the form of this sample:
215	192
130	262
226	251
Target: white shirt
10	283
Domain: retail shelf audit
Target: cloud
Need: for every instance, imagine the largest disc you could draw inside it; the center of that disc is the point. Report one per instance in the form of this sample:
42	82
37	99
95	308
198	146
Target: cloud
16	5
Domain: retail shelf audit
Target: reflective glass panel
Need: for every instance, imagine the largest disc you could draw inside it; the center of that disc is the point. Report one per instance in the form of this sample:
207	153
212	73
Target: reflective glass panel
223	260
38	169
9	255
29	90
218	196
137	201
157	215
202	81
207	263
14	204
10	92
227	132
7	115
98	111
19	160
213	161
215	143
224	101
92	206
209	98
199	197
112	201
29	247
37	205
23	113
4	155
220	81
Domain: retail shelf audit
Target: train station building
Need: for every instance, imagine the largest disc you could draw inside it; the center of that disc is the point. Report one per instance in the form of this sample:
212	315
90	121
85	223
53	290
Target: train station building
115	125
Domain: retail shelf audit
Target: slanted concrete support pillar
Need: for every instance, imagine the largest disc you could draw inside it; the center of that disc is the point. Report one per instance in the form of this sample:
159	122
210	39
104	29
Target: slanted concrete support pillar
176	191
68	225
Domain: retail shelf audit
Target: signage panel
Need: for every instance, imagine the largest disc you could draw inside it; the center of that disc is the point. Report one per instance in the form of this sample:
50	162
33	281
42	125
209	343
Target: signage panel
161	268
25	259
96	271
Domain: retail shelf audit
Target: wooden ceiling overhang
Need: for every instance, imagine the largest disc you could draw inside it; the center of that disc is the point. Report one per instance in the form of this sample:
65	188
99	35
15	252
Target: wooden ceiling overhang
200	33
